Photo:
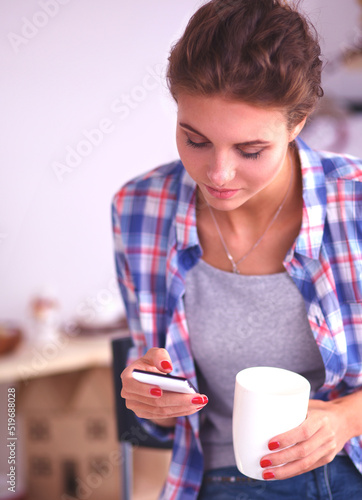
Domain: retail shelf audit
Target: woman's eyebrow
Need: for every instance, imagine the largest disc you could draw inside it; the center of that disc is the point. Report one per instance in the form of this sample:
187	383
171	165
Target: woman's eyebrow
256	142
191	129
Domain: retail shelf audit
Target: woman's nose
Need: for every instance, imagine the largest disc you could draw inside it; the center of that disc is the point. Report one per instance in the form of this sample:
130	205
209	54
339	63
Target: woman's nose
221	171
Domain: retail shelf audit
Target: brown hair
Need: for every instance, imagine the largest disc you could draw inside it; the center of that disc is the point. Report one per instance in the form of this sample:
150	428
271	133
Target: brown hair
263	52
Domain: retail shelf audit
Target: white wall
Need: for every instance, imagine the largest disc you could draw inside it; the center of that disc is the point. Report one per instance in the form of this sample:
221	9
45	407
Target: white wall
63	73
339	24
57	81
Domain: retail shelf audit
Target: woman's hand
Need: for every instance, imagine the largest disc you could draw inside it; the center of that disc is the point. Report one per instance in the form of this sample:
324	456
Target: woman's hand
328	426
150	401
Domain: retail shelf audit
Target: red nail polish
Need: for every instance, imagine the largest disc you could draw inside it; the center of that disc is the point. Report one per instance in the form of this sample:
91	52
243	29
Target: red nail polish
156	392
273	445
268	475
205	400
166	365
198	400
265	463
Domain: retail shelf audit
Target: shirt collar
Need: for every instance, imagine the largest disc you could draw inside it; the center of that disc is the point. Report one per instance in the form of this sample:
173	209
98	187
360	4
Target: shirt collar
309	240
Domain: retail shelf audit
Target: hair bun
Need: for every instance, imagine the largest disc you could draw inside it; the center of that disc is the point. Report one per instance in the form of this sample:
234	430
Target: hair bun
263	52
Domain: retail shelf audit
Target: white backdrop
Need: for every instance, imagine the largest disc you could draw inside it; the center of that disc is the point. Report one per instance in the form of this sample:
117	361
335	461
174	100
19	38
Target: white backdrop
84	108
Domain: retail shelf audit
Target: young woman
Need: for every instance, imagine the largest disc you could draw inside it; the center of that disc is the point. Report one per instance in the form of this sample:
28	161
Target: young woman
246	252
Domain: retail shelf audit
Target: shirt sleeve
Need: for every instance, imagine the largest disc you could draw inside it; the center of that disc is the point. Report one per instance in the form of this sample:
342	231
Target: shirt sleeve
127	288
129	296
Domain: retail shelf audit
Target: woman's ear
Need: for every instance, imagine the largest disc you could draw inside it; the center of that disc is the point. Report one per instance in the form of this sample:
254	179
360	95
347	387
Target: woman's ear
297	130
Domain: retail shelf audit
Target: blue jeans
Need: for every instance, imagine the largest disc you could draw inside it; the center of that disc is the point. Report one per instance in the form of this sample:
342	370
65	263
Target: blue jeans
339	480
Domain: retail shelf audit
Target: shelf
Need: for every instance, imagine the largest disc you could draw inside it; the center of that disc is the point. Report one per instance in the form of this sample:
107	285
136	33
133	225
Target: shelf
65	354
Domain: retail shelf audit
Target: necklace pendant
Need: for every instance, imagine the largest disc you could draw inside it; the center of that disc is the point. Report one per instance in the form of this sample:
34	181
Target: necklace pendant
235	268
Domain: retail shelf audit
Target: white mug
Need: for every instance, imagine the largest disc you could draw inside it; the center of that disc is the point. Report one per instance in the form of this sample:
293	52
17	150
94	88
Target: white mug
267	402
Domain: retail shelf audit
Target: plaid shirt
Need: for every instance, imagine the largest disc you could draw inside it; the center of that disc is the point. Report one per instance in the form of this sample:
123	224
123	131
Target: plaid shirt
156	242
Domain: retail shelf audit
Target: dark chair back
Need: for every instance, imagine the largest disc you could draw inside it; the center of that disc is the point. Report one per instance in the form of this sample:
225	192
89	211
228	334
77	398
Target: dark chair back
128	427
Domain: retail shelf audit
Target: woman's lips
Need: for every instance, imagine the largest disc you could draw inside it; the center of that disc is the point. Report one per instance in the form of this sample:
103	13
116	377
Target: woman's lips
222	194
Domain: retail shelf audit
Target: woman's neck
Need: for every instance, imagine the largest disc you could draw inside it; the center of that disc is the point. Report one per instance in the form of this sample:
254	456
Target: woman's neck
242	228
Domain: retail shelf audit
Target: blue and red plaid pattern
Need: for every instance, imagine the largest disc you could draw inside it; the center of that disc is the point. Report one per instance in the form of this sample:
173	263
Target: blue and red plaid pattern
156	242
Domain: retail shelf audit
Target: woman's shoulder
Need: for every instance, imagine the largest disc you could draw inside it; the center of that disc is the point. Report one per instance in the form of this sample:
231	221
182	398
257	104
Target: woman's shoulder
157	177
162	182
336	166
341	166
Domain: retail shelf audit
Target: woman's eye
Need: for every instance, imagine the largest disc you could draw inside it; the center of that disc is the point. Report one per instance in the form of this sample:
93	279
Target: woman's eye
247	156
193	144
250	156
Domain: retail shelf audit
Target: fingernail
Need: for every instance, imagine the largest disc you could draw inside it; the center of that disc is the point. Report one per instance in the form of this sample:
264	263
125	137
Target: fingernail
268	475
265	463
198	400
166	365
156	392
205	400
274	445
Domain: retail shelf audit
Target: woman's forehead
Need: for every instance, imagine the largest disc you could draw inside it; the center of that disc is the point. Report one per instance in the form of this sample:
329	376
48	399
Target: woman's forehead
209	115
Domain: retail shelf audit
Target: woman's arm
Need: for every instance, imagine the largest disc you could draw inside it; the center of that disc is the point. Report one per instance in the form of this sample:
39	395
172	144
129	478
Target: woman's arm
327	428
148	402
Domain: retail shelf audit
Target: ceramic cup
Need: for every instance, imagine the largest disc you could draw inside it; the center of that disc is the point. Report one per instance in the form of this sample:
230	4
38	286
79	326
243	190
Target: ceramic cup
267	402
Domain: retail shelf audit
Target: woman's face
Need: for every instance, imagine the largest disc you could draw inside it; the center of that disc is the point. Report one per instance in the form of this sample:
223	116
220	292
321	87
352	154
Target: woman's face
235	152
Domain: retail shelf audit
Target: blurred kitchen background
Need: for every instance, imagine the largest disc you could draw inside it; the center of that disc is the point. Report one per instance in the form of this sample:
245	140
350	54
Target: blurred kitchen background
84	108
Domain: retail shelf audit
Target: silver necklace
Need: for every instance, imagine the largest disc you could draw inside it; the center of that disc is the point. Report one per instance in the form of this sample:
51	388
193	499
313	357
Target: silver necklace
234	264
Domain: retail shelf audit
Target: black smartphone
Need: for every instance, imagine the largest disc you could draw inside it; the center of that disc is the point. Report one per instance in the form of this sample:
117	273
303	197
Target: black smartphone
165	381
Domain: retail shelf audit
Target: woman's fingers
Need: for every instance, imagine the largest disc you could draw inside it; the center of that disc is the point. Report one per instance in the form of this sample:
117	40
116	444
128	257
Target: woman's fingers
168	405
150	401
158	358
148	395
313	444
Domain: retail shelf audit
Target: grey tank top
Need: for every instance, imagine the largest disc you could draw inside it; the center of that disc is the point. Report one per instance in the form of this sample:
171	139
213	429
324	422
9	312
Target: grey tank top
235	322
